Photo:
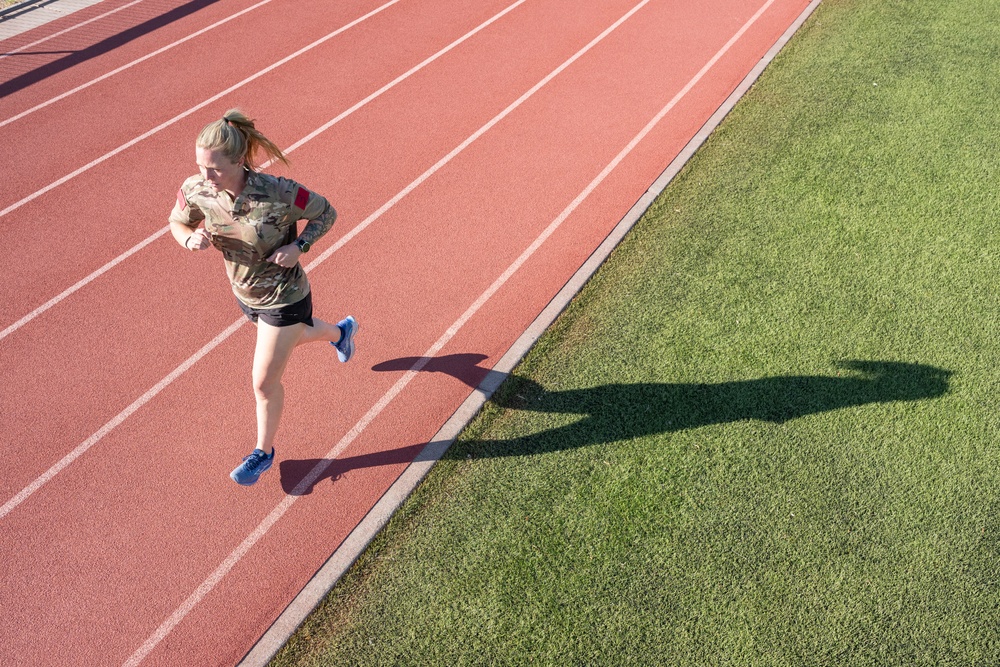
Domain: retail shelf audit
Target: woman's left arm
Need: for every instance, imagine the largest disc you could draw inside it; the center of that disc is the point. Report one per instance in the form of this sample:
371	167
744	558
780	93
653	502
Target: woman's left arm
321	216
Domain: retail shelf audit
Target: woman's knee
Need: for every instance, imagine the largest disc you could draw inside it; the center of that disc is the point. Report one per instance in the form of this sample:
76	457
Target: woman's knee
267	386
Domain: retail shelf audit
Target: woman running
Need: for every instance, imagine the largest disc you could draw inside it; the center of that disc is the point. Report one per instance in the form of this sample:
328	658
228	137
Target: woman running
251	218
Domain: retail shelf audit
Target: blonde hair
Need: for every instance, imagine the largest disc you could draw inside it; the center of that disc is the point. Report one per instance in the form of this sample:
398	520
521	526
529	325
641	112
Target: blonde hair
234	134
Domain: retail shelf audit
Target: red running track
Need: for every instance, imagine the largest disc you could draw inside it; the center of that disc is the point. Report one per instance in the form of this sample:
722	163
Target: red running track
126	400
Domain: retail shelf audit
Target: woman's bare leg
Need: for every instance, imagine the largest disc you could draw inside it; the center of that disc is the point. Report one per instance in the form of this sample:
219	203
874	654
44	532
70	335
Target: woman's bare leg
274	349
320	331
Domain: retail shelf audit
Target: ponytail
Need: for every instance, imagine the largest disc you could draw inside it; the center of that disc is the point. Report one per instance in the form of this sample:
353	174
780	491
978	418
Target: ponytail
235	136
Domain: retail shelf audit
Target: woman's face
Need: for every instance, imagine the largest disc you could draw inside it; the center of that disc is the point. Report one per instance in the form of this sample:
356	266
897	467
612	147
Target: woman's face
219	171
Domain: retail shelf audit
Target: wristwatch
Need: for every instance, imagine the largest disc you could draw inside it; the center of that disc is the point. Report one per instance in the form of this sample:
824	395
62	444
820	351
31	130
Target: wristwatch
303	245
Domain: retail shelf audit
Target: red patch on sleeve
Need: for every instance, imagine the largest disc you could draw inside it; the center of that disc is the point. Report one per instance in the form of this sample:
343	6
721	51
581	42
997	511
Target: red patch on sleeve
301	198
181	201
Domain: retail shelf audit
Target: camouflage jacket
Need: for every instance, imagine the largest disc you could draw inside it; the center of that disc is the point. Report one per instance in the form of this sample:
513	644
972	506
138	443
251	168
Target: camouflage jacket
248	229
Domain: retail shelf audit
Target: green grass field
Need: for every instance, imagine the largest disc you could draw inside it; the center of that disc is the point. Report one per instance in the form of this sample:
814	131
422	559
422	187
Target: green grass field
765	433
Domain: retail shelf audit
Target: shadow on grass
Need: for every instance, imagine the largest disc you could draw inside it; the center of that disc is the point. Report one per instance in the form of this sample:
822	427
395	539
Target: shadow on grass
616	412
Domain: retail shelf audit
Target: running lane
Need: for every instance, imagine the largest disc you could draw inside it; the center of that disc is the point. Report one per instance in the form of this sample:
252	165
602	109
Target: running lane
141	550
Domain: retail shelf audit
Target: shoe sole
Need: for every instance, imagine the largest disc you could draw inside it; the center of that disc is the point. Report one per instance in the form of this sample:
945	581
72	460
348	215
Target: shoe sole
232	476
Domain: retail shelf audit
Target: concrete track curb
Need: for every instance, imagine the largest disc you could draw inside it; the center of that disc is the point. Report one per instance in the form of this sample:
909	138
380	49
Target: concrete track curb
29	14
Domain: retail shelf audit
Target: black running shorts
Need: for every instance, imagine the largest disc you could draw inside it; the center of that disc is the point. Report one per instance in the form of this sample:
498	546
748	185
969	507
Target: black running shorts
283	316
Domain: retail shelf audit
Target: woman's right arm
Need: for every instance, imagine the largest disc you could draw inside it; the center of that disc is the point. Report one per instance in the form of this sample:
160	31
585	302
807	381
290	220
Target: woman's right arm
192	239
185	220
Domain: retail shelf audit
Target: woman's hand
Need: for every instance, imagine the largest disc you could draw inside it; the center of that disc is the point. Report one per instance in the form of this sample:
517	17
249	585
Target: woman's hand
286	256
198	240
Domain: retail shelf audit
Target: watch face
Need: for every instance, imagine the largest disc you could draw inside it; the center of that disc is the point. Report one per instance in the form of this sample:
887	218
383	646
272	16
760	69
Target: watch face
303	245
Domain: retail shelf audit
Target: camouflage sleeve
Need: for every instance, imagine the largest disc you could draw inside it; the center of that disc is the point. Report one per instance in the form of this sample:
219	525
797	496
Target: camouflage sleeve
184	212
321	224
314	208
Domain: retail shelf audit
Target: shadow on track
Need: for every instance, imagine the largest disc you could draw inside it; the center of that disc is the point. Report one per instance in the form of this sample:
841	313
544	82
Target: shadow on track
463	367
22	8
100	48
617	412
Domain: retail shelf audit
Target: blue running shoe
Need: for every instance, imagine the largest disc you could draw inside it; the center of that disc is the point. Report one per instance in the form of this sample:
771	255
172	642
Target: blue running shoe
253	466
345	348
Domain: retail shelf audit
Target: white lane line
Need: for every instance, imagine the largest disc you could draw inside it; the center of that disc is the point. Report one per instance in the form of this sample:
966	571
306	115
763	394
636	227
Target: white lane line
461	147
142	244
128	65
118	419
81	283
399	79
200	105
69	29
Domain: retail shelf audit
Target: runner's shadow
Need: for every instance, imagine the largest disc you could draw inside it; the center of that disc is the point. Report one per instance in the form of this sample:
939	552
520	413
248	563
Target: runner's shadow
464	367
613	413
299	477
618	412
